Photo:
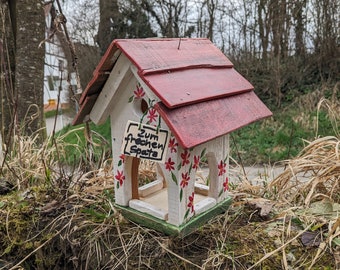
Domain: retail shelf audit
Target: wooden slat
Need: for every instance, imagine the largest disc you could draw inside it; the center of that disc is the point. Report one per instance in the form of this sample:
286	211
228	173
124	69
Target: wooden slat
161	54
190	86
85	109
150	209
198	123
150	188
94	86
102	107
204	205
201	189
192	76
134	177
108	60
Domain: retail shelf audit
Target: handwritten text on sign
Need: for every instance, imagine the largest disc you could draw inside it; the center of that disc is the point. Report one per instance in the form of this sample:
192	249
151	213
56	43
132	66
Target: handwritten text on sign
144	141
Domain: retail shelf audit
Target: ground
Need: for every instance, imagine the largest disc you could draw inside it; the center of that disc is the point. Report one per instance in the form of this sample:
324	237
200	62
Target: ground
78	227
63	217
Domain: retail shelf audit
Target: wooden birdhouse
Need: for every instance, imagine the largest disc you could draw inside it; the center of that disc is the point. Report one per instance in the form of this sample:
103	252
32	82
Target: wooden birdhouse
171	102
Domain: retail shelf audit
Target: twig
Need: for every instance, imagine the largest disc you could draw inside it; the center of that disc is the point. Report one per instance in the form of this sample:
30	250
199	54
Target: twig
73	52
123	243
7	231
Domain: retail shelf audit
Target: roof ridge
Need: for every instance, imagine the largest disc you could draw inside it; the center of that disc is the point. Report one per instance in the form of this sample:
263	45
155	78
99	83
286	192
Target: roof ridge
188	67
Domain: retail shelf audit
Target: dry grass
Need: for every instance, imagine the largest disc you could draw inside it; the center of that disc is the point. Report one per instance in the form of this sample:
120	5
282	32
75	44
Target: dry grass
314	174
61	217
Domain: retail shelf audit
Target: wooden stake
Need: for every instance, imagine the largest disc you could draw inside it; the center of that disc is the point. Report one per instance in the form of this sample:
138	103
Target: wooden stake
134	177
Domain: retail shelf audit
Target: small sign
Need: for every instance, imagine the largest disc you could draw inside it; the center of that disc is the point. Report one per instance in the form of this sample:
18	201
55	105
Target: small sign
144	141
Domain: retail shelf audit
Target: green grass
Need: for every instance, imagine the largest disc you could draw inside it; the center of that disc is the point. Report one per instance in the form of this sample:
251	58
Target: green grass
281	137
277	138
76	146
52	113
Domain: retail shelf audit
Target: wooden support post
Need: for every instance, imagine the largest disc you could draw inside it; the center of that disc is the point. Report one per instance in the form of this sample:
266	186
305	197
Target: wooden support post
213	175
134	177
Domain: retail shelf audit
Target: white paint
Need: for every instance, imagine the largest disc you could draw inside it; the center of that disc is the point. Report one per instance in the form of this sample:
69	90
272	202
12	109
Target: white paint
118	78
150	188
145	141
201	189
162	199
149	209
204	205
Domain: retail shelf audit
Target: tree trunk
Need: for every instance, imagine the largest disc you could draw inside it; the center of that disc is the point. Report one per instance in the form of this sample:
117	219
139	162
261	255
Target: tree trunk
299	7
7	53
211	11
263	28
29	64
109	23
22	61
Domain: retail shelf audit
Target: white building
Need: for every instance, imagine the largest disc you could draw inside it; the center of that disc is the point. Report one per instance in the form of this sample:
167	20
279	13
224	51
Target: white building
56	71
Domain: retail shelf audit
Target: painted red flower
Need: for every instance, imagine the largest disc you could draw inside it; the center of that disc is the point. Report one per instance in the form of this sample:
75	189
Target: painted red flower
173	145
169	165
196	162
226	184
152	115
185	180
139	92
191	202
185	157
121	159
221	168
120	177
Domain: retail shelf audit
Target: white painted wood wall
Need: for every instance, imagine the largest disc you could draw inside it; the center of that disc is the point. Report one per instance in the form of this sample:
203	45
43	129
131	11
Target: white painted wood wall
113	101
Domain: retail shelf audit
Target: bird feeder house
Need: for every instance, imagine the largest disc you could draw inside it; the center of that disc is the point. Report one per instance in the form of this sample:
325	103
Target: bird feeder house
172	102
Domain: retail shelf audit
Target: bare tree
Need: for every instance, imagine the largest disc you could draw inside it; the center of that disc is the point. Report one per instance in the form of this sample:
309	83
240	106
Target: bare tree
272	38
121	19
326	37
24	65
82	20
299	18
169	15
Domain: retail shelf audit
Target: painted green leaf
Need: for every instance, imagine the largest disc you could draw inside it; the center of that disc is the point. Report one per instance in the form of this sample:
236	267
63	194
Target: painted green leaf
173	176
181	195
120	162
130	99
221	192
117	186
179	166
186	214
225	160
203	152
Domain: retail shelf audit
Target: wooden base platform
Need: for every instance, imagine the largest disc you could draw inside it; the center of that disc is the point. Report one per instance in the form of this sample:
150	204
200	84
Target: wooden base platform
172	230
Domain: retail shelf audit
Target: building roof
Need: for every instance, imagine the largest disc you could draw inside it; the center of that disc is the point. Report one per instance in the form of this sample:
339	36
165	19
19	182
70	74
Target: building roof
201	95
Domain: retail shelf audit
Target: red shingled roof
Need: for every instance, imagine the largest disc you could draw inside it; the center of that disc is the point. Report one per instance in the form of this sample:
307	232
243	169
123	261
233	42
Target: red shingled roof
202	95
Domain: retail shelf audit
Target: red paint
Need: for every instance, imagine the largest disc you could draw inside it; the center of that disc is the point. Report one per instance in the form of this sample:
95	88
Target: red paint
198	123
156	55
202	95
194	85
